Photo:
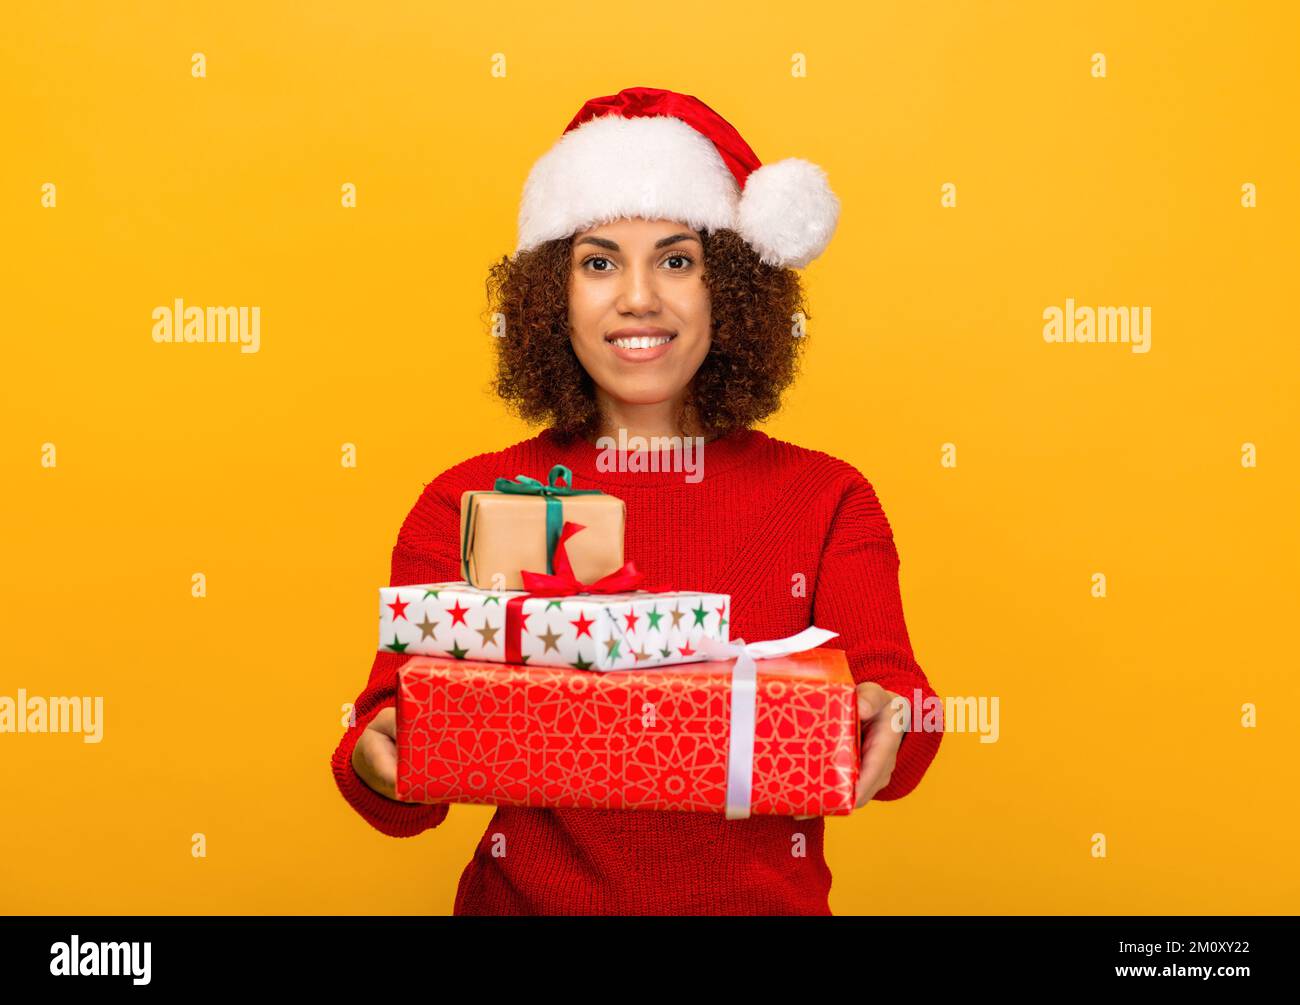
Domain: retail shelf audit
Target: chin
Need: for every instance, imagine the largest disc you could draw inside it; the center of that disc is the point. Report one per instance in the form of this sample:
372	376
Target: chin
643	395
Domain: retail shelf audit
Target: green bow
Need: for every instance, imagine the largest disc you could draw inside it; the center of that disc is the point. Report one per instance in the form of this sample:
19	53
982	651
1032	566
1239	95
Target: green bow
523	485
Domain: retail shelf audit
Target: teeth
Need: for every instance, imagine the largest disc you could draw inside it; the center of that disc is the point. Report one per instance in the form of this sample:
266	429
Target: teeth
642	341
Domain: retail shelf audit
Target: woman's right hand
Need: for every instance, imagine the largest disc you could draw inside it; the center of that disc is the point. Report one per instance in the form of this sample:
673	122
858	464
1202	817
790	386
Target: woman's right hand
375	756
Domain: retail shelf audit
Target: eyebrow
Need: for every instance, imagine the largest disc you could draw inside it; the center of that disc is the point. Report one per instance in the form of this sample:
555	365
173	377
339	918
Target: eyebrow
663	242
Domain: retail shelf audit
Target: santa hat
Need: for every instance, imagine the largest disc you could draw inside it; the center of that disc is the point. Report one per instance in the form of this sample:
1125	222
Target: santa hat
656	154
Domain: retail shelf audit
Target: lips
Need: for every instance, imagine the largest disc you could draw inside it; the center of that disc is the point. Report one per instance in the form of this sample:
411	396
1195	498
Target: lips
640	345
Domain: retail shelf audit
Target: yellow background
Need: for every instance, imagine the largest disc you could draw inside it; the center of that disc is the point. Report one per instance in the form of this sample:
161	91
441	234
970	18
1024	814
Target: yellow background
1119	715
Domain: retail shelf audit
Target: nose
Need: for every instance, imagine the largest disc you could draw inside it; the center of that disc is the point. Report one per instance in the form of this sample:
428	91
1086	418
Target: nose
639	292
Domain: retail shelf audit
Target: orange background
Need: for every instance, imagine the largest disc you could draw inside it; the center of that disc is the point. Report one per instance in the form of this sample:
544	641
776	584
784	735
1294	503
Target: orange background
1119	715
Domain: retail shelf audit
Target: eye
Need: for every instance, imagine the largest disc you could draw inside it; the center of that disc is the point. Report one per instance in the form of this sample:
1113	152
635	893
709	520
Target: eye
677	255
595	258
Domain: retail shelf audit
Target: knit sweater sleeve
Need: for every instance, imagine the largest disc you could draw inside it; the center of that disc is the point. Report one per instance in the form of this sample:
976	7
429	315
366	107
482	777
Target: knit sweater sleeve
425	553
857	595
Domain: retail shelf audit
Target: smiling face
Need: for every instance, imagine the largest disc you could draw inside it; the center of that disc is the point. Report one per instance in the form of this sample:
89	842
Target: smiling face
639	317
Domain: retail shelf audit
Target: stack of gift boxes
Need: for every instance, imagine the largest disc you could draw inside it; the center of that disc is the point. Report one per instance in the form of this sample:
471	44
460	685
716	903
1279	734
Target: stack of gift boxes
550	676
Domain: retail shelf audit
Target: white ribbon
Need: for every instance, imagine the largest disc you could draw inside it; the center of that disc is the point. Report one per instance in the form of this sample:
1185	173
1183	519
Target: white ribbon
744	702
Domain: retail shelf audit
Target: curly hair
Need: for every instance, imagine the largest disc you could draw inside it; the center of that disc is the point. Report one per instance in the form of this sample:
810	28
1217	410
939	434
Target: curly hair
753	358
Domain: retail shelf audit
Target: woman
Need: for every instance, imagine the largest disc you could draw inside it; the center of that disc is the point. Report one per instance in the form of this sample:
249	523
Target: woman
652	295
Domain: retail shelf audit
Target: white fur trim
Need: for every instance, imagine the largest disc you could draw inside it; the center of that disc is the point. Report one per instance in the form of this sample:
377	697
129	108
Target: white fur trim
788	212
611	167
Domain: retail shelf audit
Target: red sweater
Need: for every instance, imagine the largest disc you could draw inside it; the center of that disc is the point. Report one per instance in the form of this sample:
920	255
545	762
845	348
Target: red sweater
765	513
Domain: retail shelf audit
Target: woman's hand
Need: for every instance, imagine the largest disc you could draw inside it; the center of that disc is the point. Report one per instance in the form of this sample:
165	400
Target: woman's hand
375	755
878	712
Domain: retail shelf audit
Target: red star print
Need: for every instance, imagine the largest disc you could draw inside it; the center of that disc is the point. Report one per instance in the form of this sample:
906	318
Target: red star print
399	609
687	651
458	615
631	620
583	625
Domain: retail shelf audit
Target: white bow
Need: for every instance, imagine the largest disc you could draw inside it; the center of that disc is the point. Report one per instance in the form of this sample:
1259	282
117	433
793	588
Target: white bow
744	702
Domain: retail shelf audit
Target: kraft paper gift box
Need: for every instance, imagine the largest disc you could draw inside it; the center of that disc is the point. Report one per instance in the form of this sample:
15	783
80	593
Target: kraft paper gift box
516	525
779	740
584	631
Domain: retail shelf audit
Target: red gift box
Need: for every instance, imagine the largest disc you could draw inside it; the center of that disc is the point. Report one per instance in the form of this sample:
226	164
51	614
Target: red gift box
655	739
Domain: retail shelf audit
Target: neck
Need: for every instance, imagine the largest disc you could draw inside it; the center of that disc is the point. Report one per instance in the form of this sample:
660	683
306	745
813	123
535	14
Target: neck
661	418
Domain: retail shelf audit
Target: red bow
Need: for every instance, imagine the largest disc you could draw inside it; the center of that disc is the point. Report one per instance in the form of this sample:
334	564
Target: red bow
564	582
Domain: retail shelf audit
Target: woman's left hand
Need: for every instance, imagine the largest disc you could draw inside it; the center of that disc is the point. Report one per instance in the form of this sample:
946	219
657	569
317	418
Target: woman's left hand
878	711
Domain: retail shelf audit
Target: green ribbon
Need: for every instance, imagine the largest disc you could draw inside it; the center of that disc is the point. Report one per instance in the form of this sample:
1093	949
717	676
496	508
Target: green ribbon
552	493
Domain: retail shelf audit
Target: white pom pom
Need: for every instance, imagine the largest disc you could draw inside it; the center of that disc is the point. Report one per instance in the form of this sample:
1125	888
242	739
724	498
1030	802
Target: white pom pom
788	212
